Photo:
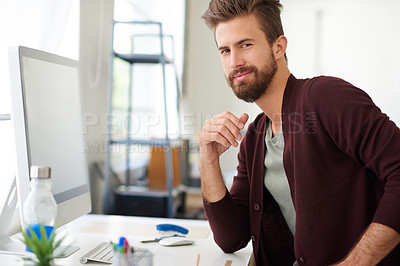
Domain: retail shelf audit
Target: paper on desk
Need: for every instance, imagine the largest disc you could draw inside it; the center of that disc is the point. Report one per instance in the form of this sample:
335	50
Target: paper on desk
139	229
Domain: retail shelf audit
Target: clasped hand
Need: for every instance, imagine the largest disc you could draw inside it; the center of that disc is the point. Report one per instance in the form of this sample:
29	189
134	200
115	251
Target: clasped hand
219	133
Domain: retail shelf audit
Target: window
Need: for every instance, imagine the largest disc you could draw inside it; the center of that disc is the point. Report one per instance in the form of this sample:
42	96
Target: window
147	98
147	95
47	25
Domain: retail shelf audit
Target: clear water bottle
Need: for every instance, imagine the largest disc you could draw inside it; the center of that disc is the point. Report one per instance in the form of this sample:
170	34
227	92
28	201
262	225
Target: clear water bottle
40	208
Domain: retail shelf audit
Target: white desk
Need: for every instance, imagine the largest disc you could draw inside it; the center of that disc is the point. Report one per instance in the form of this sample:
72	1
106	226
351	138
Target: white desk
90	230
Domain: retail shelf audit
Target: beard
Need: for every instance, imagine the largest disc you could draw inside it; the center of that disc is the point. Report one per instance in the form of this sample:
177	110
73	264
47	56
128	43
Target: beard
250	89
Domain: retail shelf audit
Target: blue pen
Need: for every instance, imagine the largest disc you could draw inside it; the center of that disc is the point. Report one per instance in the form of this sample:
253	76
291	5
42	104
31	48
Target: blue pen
121	241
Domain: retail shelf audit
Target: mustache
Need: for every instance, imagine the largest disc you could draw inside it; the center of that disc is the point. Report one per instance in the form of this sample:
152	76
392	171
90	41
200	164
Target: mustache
242	70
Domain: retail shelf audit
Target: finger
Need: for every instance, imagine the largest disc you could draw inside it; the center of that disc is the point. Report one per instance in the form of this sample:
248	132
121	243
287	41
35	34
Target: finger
221	126
224	131
243	119
235	120
209	137
226	127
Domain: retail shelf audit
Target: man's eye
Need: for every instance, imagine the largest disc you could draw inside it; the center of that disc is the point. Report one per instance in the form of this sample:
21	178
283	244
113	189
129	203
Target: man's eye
246	45
225	51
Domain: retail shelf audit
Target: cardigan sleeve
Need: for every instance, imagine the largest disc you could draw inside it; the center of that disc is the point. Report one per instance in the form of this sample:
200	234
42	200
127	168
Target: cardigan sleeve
229	217
362	131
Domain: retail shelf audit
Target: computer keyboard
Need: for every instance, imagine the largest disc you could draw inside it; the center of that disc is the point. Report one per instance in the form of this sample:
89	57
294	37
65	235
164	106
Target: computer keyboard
104	252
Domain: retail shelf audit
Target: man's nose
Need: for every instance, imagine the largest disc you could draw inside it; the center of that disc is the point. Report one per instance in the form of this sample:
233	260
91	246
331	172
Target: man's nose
237	60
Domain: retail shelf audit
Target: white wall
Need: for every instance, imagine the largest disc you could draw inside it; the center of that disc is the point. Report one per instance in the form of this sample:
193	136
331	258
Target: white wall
357	40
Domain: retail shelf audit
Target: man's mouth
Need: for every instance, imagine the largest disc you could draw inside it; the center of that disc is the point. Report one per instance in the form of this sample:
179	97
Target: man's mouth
241	75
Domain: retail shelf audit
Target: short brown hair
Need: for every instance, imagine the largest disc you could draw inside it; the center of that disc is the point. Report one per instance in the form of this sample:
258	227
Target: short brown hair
267	12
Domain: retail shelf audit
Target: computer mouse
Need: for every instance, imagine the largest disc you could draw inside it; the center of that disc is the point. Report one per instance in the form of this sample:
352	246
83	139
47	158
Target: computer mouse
176	241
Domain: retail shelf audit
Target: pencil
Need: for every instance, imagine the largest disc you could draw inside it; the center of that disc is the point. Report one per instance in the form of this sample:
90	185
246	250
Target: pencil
198	259
228	263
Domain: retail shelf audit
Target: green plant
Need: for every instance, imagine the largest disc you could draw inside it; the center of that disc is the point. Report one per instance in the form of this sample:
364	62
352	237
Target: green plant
43	247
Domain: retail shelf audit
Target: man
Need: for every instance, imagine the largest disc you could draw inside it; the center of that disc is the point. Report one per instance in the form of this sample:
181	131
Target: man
318	179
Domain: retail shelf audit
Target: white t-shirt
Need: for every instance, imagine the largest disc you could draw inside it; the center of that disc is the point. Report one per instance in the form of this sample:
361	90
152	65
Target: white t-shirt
275	179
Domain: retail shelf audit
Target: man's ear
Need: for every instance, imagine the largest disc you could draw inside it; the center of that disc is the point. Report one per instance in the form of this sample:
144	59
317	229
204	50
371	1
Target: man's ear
280	45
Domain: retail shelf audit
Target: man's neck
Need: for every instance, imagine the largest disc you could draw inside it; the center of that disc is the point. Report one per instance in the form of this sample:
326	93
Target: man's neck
271	101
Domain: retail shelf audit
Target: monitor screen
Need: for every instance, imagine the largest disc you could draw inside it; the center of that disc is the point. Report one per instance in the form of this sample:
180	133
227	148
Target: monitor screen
48	127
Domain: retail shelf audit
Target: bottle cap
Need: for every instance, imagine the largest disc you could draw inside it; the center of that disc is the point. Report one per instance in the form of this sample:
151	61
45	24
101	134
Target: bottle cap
40	171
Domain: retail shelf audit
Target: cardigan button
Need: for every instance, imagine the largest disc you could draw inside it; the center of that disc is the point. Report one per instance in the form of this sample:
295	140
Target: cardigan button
256	207
253	238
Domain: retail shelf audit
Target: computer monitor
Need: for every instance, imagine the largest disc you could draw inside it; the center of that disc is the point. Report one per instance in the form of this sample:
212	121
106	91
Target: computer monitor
48	128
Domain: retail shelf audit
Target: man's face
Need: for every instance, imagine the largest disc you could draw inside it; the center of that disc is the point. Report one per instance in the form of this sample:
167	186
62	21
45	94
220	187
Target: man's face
246	57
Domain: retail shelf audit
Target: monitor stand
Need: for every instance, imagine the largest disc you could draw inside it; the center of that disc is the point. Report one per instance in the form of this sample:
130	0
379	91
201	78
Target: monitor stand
12	244
8	245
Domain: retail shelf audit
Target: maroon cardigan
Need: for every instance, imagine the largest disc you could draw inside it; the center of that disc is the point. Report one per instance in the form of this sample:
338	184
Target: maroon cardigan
342	161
